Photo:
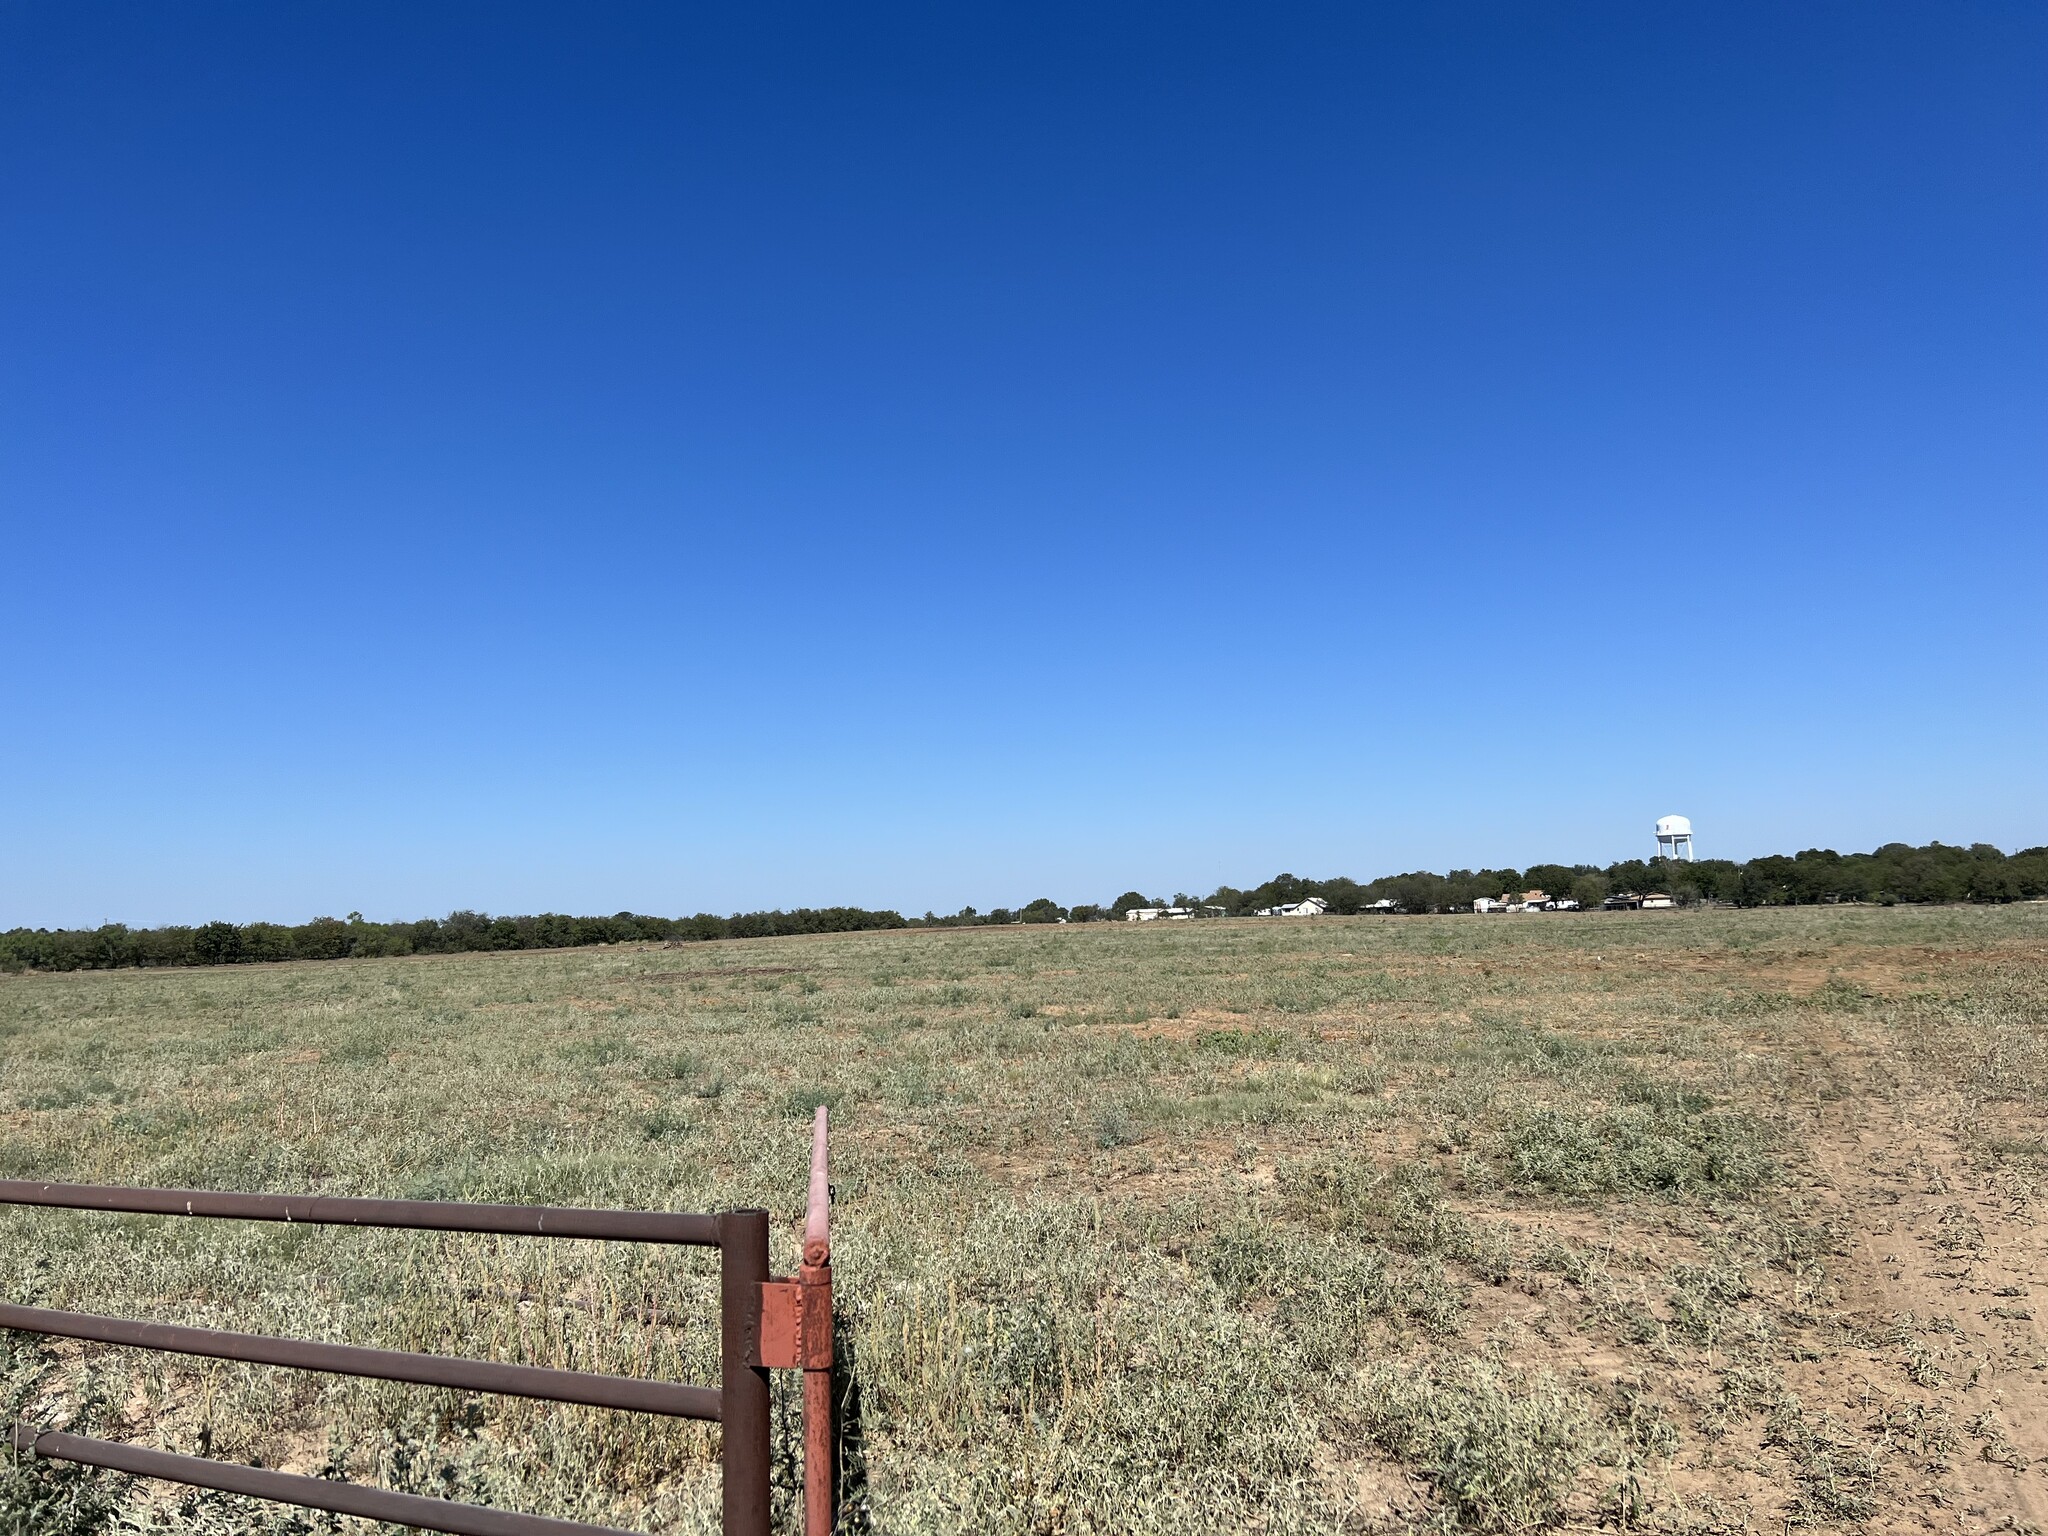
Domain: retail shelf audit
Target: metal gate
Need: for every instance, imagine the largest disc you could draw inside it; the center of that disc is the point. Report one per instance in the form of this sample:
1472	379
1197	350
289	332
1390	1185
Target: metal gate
764	1323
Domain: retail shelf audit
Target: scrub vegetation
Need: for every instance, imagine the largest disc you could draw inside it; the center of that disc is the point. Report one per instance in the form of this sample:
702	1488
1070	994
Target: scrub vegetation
1698	1221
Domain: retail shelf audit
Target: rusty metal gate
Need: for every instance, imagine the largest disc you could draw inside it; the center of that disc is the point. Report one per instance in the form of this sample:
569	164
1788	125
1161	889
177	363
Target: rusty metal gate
764	1323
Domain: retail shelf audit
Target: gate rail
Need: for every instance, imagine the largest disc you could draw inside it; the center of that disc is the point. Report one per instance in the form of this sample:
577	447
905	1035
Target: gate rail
764	1323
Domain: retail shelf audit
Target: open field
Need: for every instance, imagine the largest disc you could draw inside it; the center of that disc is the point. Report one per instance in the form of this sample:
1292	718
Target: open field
1693	1222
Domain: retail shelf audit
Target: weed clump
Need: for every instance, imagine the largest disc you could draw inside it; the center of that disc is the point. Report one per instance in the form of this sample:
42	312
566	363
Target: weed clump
1401	1208
1501	1450
1115	1128
1328	1291
802	1102
1633	1149
50	1498
1837	1478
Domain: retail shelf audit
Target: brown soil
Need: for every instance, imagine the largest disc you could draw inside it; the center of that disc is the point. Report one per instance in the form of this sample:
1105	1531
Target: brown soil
1939	1278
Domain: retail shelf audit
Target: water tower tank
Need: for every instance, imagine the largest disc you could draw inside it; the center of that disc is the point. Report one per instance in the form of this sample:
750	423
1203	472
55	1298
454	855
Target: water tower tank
1674	837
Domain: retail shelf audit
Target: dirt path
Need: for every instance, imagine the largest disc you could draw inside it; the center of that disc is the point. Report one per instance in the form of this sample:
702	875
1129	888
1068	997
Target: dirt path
1940	1281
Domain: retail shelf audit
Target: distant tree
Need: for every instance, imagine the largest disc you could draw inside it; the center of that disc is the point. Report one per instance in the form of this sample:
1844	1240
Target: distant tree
1417	892
217	944
1282	890
325	939
2030	869
1631	875
268	941
1938	872
1716	879
377	939
1462	887
1554	879
1344	896
465	930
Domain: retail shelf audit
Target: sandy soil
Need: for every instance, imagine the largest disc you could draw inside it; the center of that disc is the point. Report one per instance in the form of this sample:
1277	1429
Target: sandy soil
1940	1276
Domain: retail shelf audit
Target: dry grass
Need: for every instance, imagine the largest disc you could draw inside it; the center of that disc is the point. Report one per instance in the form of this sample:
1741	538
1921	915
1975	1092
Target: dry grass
1700	1221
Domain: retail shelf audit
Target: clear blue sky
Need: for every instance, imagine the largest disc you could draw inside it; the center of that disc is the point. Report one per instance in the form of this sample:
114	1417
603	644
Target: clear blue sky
677	457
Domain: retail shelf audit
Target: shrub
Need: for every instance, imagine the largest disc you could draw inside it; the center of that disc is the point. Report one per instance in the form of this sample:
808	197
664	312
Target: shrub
1500	1449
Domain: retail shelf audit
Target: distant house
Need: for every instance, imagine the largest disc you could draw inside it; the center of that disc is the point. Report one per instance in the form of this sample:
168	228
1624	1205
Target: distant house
1315	906
1564	904
1657	900
1172	914
1489	904
1384	904
1623	901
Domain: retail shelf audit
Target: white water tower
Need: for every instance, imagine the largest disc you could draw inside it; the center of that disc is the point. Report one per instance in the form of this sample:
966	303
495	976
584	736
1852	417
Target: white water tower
1674	838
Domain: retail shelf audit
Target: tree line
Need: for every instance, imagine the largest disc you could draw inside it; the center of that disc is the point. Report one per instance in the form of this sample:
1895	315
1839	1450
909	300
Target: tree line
1894	873
331	938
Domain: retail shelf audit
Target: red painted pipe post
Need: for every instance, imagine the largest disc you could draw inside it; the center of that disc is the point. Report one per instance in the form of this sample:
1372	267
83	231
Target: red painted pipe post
743	1380
815	1276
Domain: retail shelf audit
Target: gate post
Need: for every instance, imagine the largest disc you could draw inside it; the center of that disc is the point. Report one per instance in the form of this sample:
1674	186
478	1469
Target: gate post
821	1444
743	1380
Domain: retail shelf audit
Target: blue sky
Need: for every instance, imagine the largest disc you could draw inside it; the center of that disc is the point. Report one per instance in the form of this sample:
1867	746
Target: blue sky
576	458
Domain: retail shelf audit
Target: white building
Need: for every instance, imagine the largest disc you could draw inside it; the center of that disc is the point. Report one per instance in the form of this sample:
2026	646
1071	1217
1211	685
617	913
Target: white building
1315	906
1489	904
1145	914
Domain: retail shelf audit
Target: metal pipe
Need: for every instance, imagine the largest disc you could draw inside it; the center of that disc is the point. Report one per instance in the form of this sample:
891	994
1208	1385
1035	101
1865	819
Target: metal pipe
586	1387
306	1492
428	1215
818	1210
820	1452
743	1381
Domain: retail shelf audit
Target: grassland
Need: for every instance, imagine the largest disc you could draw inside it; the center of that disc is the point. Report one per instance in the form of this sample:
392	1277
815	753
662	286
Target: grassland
1687	1222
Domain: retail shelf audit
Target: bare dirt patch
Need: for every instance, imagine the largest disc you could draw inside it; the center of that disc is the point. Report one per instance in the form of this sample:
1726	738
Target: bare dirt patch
1941	1277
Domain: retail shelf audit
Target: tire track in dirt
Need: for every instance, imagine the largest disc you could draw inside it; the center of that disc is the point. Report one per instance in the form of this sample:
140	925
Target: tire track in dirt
1941	1278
